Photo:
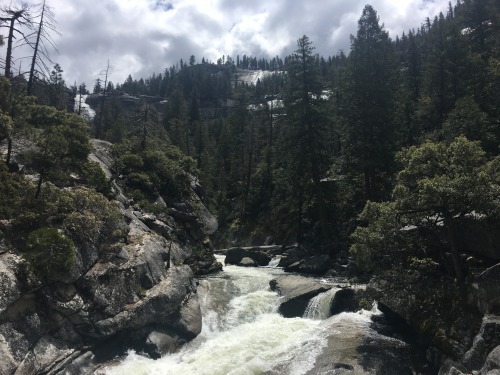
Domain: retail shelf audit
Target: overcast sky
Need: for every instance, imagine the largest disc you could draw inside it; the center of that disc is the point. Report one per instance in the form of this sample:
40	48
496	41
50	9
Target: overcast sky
141	37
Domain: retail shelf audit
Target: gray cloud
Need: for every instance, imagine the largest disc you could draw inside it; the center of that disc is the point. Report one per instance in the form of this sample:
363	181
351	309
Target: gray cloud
142	37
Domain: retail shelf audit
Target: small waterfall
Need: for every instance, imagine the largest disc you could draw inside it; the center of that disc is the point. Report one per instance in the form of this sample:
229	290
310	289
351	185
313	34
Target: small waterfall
319	306
274	262
86	112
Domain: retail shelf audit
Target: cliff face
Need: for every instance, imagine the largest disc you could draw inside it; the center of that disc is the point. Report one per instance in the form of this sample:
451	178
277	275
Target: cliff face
139	293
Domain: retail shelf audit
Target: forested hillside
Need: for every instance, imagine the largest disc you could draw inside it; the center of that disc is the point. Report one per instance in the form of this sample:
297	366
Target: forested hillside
296	154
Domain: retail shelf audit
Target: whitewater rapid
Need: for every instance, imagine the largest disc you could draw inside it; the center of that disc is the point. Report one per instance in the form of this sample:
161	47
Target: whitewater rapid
243	333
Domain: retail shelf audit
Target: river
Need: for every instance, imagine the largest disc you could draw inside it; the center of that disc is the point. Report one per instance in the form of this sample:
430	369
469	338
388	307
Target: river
243	334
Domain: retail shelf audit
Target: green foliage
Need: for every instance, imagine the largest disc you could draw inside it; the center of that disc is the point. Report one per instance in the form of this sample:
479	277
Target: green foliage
374	244
469	120
94	177
63	144
84	214
49	252
156	170
438	185
142	182
439	178
129	162
89	217
368	103
12	191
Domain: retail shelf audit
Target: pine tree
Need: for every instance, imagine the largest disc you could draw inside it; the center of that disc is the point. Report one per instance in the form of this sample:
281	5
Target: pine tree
306	133
367	106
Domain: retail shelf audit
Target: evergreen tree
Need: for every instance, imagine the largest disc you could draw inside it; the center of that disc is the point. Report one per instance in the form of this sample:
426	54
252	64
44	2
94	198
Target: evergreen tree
368	106
307	133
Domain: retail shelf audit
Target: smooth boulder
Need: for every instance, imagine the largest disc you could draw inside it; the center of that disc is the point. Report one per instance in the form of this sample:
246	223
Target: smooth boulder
236	254
296	292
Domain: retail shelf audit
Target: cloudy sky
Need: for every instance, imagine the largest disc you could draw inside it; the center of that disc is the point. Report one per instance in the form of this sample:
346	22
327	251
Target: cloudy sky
141	37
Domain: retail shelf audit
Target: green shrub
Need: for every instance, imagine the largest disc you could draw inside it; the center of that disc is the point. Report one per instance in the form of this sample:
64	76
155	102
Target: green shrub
49	252
94	177
89	216
129	163
141	181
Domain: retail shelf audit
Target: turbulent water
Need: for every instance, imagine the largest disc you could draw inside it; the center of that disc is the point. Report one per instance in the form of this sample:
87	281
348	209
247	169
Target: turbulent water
244	334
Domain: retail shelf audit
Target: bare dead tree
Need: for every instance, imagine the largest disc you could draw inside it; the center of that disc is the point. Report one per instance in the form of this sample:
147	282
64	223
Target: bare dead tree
16	18
98	127
42	40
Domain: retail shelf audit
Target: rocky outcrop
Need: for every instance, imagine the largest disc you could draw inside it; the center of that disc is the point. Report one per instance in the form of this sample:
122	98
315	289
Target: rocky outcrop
126	295
459	321
296	292
139	293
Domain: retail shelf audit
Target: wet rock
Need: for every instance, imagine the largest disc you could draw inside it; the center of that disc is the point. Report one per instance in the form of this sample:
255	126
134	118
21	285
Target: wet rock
344	301
291	256
352	348
488	290
160	343
247	262
296	292
236	254
315	265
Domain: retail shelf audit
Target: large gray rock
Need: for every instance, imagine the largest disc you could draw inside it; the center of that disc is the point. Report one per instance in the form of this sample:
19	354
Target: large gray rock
485	341
296	292
45	357
292	255
10	285
236	254
315	265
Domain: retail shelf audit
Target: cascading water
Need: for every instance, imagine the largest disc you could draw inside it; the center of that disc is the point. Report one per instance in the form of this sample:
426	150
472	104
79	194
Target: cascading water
319	306
274	262
244	334
83	108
